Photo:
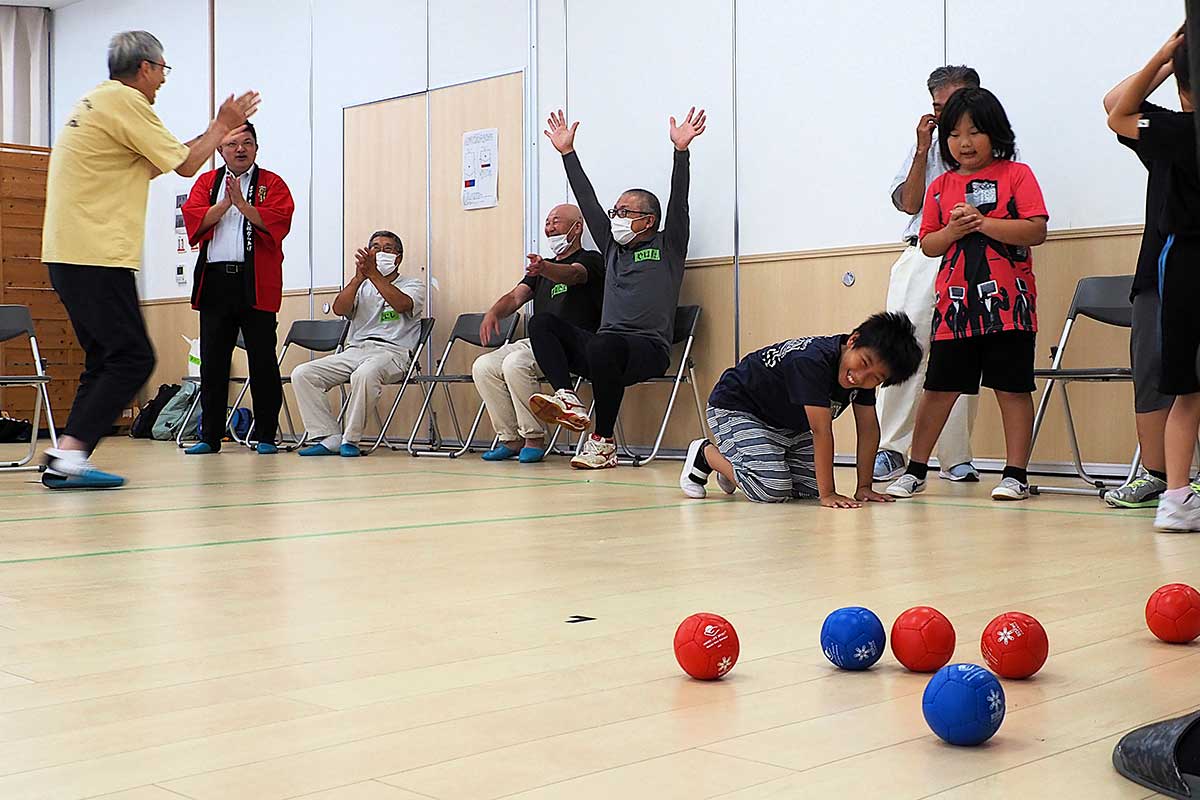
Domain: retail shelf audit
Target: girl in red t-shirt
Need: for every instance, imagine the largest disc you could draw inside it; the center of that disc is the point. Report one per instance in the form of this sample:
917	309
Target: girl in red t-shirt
982	218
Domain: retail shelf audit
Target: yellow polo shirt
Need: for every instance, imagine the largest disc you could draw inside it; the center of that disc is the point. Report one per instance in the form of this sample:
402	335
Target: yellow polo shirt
99	179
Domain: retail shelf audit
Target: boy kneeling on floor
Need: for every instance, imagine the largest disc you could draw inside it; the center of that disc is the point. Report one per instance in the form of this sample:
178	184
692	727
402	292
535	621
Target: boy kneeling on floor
773	413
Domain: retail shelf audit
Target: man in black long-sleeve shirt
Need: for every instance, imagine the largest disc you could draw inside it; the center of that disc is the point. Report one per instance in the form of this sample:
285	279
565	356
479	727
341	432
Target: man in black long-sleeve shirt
644	270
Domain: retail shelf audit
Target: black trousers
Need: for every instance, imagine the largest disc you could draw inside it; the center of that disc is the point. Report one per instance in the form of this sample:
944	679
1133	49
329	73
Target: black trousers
102	303
611	361
223	312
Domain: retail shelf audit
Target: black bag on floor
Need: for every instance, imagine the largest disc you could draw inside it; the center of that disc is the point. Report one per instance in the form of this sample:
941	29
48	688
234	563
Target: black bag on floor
15	430
143	423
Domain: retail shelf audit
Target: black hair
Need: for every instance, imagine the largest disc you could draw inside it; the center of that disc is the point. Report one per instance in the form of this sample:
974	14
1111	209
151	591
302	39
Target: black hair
250	130
393	237
650	200
1183	67
987	114
893	337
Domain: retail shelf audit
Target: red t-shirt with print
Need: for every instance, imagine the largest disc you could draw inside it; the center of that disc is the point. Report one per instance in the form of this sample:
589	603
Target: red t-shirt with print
984	286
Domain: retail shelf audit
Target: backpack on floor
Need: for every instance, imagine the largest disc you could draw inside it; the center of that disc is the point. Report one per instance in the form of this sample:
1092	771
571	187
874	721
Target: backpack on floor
143	423
15	430
240	422
166	427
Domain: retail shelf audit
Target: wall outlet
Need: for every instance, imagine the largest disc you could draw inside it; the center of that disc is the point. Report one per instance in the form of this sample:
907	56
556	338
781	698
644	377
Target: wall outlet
180	274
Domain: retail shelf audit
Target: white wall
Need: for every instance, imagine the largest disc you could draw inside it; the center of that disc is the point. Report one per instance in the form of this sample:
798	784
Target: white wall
79	44
469	40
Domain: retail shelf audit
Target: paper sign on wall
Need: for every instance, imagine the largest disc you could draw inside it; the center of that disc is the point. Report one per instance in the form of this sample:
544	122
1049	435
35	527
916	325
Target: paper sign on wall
480	167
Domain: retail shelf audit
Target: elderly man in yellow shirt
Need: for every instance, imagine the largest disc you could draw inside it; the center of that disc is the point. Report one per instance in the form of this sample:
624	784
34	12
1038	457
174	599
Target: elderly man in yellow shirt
101	166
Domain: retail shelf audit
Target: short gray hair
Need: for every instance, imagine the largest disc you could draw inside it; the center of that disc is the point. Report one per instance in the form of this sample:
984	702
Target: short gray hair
950	75
127	51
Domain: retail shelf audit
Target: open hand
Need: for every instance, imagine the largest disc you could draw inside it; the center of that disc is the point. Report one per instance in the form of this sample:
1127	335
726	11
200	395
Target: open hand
836	500
693	126
364	264
559	134
489	327
925	129
868	495
233	193
235	111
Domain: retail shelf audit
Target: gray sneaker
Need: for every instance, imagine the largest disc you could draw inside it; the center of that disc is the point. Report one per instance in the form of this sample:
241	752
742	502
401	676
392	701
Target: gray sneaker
1011	489
1141	492
1176	517
906	486
889	465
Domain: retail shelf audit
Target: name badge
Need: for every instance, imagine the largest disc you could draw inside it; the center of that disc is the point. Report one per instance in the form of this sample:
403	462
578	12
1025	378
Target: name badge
389	315
647	254
559	288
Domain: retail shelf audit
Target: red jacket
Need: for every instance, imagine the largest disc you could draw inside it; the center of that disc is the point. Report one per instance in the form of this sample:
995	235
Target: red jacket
273	200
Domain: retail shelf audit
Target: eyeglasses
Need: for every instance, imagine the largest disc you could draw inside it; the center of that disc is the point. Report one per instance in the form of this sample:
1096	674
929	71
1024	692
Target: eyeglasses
166	70
626	213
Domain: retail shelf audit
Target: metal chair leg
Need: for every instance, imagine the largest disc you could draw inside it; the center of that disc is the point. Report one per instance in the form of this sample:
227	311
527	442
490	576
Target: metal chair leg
187	417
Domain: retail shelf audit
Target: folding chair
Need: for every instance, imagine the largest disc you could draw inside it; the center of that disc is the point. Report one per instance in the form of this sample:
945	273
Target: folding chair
16	321
686	320
414	366
241	345
314	335
466	329
1104	299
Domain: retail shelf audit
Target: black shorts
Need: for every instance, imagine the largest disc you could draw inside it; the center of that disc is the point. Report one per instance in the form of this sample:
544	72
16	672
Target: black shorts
1004	362
1180	282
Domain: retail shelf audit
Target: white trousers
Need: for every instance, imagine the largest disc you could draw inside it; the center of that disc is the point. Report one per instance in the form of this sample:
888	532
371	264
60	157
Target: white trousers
506	378
368	367
911	290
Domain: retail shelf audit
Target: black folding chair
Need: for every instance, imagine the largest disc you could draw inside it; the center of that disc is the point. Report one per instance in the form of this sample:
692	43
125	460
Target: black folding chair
316	336
1104	299
466	329
17	321
414	367
686	320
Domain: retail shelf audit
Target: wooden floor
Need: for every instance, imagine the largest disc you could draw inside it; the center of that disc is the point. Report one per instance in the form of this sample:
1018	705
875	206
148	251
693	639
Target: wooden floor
386	628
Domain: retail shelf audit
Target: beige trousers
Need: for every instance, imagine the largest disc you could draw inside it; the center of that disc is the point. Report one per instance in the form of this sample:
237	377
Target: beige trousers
367	367
506	378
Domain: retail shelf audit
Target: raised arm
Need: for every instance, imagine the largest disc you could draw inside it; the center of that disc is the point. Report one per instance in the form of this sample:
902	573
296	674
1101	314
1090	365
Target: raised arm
232	116
562	137
678	222
1115	93
909	195
1125	113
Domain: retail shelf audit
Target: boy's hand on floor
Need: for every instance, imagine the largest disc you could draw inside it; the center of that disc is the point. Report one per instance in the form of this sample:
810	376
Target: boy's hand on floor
836	500
869	495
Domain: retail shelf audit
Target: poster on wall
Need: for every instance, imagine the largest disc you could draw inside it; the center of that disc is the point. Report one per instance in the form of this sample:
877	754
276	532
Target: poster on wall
480	154
181	242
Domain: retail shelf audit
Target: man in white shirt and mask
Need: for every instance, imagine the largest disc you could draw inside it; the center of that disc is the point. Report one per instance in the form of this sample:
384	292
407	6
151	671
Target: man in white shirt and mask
384	309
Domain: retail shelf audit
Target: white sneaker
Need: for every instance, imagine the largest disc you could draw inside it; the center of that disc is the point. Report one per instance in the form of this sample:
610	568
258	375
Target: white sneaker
1176	517
691	477
597	453
906	486
561	408
1011	489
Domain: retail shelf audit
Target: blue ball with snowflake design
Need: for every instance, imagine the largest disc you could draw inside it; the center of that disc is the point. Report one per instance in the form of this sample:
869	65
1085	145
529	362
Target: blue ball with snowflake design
964	704
853	638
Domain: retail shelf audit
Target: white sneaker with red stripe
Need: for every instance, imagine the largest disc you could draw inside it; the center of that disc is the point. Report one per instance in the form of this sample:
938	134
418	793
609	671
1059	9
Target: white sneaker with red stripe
597	453
561	408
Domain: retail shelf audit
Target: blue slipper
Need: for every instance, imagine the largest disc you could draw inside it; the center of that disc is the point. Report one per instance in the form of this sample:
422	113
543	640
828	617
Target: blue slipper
201	449
500	452
317	449
92	479
267	448
348	450
531	455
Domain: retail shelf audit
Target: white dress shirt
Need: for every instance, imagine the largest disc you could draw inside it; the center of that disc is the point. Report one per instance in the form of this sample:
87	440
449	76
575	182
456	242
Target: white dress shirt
934	167
227	244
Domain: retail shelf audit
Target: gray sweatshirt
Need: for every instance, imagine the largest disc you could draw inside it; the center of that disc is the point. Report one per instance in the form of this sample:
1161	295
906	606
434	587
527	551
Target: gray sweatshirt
642	280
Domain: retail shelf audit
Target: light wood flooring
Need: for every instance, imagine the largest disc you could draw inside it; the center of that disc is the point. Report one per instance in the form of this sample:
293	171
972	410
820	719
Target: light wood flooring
386	628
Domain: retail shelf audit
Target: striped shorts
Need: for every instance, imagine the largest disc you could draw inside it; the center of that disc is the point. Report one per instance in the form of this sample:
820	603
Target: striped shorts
772	465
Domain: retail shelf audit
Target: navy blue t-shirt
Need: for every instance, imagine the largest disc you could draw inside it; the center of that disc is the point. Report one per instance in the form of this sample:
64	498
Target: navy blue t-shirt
778	381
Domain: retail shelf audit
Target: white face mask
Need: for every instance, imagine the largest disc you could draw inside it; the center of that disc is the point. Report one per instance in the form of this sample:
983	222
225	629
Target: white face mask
622	230
386	263
560	243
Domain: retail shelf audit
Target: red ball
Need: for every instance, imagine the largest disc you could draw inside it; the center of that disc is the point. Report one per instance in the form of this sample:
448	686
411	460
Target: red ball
1014	645
923	639
1173	613
706	646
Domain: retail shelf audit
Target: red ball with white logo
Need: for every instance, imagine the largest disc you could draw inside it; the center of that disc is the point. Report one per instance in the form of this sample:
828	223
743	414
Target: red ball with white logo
706	646
922	639
1014	645
1173	613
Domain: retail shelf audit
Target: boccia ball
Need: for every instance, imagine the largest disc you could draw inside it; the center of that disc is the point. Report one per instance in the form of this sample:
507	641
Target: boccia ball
923	639
1014	645
706	646
1173	613
964	704
852	638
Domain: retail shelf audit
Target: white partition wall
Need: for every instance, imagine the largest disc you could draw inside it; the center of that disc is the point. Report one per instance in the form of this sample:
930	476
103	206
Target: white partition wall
470	40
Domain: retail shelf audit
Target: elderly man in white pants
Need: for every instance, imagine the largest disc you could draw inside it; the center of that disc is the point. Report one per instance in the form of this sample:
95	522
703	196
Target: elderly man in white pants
910	290
571	286
384	308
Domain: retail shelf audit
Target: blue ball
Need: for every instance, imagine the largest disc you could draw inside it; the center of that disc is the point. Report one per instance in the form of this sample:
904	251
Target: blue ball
853	638
964	704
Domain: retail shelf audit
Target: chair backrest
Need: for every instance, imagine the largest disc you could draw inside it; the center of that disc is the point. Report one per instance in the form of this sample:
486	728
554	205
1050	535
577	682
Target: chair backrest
686	319
15	321
466	327
1104	298
317	335
427	324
